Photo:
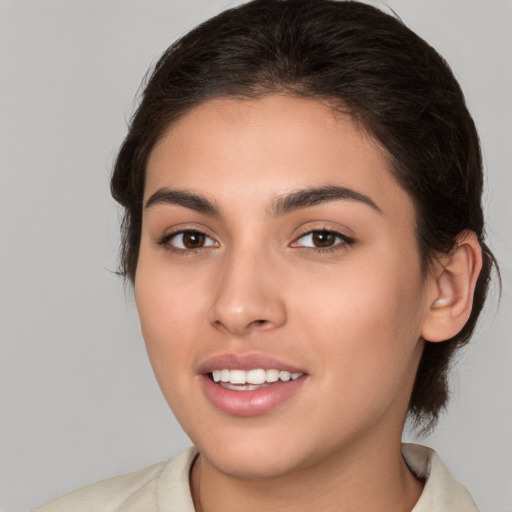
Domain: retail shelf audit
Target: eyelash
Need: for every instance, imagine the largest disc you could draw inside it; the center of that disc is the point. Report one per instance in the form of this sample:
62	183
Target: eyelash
164	242
345	241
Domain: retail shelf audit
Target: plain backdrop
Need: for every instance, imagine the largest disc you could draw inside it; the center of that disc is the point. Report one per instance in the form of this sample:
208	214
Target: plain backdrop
78	399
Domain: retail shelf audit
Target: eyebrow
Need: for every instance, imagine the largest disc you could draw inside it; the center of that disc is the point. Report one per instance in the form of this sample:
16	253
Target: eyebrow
313	196
184	198
283	205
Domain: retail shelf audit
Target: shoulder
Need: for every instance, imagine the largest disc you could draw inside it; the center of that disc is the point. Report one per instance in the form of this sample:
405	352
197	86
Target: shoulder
442	492
163	486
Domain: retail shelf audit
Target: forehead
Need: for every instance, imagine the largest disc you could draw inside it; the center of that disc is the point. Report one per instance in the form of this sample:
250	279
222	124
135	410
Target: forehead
232	149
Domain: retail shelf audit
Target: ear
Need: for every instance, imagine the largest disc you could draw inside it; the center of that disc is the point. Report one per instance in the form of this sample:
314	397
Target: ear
453	287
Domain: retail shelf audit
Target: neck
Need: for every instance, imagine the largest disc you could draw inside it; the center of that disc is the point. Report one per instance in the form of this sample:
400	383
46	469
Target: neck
366	472
364	477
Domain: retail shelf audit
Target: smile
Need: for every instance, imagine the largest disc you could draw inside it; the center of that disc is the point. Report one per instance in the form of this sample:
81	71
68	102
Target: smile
241	380
249	385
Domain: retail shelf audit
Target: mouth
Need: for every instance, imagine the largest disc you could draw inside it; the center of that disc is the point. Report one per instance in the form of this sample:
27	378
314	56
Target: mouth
249	385
242	380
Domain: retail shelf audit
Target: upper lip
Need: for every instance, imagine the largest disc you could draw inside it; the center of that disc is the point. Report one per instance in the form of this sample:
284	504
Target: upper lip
246	362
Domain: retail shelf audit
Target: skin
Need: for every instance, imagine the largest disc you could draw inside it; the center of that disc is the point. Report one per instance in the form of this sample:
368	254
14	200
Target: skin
351	317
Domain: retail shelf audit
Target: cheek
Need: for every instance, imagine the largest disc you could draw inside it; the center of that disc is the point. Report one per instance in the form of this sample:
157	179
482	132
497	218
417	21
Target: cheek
366	319
169	319
170	310
367	352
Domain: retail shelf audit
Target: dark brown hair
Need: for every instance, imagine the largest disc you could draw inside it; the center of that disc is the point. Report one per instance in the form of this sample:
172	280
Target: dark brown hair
363	62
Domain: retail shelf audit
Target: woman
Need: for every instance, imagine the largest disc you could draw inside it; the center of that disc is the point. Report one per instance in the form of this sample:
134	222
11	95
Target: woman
303	228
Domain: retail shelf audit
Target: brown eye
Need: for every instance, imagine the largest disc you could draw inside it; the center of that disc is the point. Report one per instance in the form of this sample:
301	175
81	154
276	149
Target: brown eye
193	239
323	238
188	240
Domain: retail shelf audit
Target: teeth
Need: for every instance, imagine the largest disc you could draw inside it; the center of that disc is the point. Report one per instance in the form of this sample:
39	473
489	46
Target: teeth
238	377
272	375
285	376
256	377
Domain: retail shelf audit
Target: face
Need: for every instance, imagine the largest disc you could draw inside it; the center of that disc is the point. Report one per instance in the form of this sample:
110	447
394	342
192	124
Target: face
278	257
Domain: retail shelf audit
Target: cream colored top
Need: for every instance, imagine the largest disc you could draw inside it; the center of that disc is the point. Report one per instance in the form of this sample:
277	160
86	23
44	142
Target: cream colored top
164	487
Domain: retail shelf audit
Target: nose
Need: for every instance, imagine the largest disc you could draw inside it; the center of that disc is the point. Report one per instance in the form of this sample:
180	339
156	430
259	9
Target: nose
248	296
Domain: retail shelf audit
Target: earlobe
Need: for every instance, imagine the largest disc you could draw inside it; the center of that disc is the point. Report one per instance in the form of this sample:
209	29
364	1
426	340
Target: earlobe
453	289
443	301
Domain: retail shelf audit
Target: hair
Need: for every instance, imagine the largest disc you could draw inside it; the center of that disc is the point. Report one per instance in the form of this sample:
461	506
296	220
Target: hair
362	62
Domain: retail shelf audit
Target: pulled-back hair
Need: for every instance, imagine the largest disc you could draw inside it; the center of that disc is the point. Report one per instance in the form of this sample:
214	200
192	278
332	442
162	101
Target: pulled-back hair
363	62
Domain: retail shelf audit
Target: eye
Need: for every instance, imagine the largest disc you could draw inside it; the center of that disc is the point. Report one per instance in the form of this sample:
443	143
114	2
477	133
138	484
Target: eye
187	240
322	239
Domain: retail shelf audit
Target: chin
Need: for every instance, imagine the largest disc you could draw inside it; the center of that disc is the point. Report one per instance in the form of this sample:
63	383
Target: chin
256	454
250	464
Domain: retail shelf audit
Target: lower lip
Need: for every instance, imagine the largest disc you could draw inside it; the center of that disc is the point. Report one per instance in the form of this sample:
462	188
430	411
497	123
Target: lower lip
250	403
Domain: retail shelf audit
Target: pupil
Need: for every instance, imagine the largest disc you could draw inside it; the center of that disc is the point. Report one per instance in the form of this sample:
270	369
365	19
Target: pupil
193	240
323	239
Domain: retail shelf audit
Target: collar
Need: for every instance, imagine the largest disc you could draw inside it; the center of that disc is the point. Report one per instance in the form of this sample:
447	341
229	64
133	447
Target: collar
442	493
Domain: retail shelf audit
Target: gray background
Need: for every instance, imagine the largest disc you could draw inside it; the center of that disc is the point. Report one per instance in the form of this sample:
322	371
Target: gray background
78	399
